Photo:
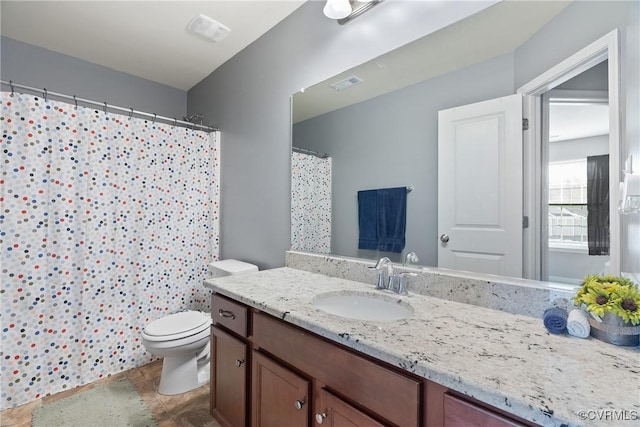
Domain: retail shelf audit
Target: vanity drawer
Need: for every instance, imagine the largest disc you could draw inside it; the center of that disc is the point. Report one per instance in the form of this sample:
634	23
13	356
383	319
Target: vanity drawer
230	314
368	384
460	413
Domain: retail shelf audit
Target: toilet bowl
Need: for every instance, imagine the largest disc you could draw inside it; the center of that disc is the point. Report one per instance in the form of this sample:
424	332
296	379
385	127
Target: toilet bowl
182	339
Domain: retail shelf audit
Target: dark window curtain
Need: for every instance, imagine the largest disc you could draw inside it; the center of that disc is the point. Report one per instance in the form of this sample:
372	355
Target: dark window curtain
598	204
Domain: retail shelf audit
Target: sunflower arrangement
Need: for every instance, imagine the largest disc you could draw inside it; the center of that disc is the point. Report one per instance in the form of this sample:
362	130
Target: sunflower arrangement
616	295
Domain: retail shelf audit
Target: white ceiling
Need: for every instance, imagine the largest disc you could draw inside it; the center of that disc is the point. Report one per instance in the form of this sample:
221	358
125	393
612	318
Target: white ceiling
146	38
494	31
577	120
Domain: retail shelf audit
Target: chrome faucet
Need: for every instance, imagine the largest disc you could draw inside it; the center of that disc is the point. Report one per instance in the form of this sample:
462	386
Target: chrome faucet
395	282
382	263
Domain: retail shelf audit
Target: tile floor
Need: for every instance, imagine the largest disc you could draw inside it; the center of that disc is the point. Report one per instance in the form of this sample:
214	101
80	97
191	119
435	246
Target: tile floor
185	410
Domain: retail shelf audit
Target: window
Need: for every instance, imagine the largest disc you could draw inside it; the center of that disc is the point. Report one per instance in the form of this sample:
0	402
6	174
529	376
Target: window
568	205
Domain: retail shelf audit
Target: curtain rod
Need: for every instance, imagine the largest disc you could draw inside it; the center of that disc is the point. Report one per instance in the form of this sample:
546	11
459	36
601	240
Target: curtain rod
103	105
313	153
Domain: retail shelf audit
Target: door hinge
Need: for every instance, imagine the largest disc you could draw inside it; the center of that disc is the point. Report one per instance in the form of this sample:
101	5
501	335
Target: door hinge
525	222
525	124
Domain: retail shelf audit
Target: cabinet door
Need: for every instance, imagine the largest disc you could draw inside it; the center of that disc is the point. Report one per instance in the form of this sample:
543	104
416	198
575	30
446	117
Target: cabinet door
228	379
459	413
335	412
279	396
388	394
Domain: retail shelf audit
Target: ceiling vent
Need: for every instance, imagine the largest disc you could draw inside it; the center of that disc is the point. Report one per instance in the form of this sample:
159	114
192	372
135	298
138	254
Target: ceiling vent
347	83
208	28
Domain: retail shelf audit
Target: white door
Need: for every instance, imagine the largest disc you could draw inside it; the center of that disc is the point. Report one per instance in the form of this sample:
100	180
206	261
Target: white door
480	187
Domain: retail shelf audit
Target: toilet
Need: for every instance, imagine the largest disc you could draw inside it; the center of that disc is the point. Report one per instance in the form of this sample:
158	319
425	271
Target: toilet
182	339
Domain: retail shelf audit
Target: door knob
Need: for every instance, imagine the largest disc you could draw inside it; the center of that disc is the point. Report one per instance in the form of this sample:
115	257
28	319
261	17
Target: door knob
299	404
444	238
239	362
320	417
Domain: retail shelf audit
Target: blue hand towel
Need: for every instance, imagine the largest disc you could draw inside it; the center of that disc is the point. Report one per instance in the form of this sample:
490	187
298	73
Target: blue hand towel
382	219
392	219
368	219
555	319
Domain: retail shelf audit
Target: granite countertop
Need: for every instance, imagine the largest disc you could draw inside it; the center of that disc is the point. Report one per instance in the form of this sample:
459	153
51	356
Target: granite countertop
508	361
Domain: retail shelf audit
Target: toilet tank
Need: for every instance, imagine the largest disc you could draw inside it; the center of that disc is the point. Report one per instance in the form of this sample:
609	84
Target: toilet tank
229	267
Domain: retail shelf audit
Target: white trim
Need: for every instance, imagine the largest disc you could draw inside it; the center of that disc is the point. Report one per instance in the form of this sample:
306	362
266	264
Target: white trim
567	280
605	48
568	247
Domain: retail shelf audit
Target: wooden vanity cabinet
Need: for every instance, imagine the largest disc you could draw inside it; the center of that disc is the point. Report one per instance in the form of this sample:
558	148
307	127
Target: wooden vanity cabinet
384	393
280	397
266	372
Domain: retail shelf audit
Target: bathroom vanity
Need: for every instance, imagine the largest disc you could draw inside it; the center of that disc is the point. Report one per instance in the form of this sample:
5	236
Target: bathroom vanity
278	359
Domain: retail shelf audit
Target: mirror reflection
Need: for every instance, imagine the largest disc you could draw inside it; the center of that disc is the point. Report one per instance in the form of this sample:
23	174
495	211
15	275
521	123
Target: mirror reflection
376	127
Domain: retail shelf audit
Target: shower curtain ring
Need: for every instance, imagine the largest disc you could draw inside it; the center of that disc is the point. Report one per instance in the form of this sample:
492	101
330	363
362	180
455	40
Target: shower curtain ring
45	94
175	122
75	101
194	126
105	107
154	118
130	113
11	86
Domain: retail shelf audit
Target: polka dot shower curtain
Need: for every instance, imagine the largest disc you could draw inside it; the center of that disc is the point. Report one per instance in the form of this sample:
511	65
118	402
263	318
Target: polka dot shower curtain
107	223
310	203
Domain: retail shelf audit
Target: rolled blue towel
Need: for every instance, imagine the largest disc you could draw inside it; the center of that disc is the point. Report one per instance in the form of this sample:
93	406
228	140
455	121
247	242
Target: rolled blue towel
555	319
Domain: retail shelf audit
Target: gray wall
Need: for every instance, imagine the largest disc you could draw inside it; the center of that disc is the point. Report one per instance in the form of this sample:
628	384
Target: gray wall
41	68
595	78
249	96
392	141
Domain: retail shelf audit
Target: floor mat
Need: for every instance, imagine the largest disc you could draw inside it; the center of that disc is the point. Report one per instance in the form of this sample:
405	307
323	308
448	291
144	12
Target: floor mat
113	404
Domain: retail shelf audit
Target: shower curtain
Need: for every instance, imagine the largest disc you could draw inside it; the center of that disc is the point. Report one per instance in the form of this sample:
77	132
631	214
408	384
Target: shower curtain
107	222
310	203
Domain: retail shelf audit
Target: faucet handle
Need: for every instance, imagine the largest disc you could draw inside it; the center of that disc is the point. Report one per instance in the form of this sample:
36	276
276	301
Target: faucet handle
402	288
411	258
380	284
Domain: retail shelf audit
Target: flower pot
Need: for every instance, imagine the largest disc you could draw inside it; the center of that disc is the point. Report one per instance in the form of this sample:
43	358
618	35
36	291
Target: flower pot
614	330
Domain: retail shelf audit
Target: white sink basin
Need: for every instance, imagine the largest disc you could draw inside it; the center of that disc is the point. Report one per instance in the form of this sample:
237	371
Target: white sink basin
363	305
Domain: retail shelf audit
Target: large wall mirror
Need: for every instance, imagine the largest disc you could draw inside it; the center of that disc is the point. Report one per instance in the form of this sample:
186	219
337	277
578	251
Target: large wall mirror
376	126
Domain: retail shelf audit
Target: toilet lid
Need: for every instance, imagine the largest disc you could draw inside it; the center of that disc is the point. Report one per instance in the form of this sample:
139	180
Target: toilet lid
184	323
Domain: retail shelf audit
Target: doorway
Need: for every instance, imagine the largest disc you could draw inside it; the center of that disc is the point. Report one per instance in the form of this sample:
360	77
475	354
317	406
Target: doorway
538	97
575	172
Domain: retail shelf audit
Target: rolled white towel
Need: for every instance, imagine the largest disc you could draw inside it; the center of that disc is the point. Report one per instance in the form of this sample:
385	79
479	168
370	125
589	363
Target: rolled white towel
578	324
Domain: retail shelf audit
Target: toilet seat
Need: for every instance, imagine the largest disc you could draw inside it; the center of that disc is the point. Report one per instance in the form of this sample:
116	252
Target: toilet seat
177	326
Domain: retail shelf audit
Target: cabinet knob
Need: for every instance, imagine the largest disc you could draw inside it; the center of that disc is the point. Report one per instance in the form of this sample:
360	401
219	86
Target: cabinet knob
320	417
239	362
299	404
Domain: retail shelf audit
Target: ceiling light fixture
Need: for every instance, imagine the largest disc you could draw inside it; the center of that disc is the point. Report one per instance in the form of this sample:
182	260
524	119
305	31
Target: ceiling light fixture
208	28
337	9
346	10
